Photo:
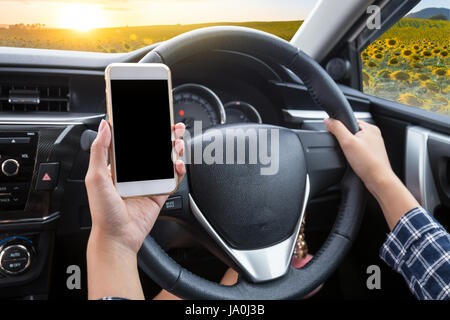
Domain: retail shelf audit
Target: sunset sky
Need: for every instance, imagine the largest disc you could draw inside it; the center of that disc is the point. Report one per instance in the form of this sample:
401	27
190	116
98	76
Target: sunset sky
88	14
112	13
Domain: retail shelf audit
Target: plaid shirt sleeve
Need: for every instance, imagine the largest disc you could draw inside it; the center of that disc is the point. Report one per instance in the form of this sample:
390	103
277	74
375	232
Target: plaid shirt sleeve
419	249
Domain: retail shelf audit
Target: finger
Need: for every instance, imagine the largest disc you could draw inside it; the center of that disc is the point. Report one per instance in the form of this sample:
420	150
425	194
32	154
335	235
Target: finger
361	121
179	148
362	124
179	130
229	278
339	130
99	149
180	169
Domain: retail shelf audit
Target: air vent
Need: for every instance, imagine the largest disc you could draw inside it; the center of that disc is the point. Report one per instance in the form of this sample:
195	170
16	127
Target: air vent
24	98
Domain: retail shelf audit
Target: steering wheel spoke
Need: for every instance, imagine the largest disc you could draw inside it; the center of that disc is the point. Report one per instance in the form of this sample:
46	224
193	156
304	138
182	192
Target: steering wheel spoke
324	159
263	264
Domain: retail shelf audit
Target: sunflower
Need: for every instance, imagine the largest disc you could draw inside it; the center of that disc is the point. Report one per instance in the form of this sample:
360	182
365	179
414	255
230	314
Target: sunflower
400	75
444	54
416	47
422	77
393	62
441	100
436	51
384	74
407	53
391	42
431	86
440	72
378	56
416	65
427	54
415	57
410	99
371	64
366	78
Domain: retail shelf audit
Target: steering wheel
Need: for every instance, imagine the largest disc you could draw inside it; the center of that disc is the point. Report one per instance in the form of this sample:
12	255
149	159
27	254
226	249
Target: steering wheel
253	218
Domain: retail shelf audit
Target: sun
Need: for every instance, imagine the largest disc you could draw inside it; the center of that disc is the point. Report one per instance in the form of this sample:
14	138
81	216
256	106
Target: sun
81	17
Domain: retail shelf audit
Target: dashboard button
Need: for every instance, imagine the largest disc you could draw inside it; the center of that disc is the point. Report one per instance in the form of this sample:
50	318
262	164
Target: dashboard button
10	167
47	176
173	203
14	259
14	266
13	140
5	199
13	187
15	252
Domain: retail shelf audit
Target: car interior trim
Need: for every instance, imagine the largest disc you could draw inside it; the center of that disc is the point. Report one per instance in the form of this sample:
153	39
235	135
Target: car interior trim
418	175
318	115
50	217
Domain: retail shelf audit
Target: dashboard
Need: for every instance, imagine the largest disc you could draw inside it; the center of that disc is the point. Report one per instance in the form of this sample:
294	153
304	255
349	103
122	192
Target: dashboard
195	102
48	99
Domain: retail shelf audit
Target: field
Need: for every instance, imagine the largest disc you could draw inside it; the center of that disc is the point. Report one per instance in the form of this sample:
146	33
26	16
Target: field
408	64
122	39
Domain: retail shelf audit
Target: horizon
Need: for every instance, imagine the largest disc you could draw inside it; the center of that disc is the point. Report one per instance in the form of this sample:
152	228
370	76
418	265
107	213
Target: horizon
161	25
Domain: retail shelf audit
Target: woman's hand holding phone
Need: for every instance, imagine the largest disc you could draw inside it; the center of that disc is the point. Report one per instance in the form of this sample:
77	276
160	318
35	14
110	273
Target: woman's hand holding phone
119	226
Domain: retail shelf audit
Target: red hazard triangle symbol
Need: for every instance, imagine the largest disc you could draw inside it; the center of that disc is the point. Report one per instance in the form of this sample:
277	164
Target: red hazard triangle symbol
46	177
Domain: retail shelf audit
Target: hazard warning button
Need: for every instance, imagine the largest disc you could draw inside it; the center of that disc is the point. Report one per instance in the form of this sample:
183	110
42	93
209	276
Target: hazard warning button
47	176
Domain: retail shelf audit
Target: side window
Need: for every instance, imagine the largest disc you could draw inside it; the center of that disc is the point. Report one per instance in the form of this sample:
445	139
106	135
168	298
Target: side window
410	62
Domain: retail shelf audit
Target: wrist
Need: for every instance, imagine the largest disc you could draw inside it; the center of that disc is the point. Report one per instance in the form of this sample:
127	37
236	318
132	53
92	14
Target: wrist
102	245
381	183
112	269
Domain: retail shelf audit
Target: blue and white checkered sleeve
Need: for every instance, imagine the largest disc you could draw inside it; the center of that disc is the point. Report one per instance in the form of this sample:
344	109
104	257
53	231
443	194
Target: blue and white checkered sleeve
419	249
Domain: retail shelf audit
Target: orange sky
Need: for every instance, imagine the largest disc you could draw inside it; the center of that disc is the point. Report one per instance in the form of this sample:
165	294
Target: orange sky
87	14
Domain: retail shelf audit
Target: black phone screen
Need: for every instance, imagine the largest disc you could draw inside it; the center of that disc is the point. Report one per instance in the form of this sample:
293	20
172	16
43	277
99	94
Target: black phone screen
142	130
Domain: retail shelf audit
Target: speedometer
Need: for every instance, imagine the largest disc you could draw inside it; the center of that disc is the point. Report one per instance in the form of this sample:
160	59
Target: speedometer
239	111
194	102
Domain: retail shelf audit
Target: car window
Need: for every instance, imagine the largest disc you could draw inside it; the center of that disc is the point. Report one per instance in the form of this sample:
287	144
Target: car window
410	62
122	26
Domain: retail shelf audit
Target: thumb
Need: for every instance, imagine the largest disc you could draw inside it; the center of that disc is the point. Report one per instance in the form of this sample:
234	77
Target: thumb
338	129
99	150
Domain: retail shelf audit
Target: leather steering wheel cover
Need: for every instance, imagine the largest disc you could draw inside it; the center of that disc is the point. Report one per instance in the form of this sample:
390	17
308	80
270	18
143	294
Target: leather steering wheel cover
297	282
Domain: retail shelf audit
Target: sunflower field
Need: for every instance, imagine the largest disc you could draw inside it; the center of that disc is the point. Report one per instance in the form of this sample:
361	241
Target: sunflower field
410	64
122	39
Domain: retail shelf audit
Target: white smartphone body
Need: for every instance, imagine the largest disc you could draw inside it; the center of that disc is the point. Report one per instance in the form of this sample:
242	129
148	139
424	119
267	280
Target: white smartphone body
140	111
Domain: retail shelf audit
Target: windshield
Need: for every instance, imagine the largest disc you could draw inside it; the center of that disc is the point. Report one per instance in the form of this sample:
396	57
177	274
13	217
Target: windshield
122	26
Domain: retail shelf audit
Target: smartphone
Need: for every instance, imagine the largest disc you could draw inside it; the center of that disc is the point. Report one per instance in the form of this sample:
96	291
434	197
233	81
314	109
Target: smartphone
140	111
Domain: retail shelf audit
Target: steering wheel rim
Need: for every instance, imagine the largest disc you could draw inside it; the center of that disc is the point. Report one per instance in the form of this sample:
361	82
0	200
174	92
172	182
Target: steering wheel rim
296	282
